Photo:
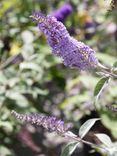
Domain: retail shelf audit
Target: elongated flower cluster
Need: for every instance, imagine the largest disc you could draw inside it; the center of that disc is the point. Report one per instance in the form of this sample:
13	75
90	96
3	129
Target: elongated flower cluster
50	123
73	53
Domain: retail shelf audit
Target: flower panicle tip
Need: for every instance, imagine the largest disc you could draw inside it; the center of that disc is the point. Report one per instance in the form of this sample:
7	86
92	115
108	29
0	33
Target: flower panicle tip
38	17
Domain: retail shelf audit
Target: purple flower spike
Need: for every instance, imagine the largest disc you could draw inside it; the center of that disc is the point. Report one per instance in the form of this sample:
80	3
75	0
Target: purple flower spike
50	123
73	53
62	13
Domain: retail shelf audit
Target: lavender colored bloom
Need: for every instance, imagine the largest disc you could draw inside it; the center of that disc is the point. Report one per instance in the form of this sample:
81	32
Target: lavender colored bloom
62	13
50	123
73	53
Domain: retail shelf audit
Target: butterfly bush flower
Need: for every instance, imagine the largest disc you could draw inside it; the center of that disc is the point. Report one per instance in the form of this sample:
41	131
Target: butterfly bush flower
50	123
63	12
72	52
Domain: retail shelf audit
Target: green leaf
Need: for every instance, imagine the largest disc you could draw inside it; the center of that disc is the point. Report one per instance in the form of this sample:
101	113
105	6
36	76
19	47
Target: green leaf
19	98
109	120
87	126
29	65
6	126
3	79
115	64
69	149
74	100
105	139
99	86
4	151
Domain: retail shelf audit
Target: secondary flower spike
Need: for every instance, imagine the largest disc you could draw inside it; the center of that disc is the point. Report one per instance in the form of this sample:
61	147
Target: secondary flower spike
64	11
73	53
50	123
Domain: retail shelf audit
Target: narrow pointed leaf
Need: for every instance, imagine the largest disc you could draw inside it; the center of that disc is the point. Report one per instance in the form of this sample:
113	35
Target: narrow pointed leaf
105	139
99	86
69	149
87	126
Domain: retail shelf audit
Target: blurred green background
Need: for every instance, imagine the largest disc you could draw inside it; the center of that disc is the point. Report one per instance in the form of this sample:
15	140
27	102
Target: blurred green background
33	80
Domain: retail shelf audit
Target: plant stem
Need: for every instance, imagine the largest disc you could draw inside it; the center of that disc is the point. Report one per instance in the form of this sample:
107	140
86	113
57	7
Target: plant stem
106	71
